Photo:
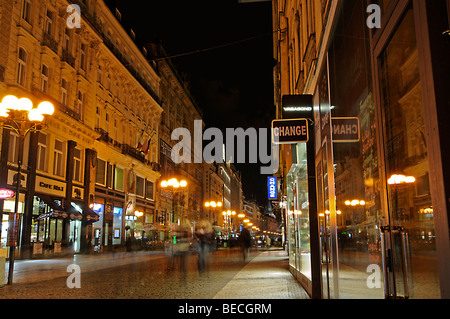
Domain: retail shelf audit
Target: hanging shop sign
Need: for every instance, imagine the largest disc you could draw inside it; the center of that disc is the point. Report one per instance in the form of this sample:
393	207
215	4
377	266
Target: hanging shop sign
290	131
345	129
272	187
6	193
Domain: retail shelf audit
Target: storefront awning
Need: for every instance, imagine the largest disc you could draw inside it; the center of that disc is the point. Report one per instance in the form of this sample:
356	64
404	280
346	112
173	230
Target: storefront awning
90	215
56	211
73	213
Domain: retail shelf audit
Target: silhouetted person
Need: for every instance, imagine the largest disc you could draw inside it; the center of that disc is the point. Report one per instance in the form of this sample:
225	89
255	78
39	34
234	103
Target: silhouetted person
205	237
244	241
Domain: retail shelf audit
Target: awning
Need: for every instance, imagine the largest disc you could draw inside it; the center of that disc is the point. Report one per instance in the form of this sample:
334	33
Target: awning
56	211
73	213
90	215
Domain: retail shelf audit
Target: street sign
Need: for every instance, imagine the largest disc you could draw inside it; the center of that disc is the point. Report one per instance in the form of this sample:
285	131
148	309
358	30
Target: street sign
272	187
345	129
290	131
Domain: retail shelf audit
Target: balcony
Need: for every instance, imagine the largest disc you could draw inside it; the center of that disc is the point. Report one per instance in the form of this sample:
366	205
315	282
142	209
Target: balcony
61	107
133	152
68	58
50	42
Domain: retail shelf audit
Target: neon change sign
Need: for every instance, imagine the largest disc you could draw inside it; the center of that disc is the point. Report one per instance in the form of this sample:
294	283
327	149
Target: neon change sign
272	187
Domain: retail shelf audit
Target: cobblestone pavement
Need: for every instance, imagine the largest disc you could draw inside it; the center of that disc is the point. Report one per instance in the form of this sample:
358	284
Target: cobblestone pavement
149	275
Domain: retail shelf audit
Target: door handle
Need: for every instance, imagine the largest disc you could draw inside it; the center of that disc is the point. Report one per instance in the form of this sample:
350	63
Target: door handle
405	254
386	260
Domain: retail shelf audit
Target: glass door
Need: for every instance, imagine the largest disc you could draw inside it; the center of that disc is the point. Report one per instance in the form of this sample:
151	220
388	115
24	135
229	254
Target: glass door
408	236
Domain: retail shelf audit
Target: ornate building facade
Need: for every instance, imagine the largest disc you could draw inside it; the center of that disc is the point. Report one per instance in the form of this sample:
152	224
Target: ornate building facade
98	161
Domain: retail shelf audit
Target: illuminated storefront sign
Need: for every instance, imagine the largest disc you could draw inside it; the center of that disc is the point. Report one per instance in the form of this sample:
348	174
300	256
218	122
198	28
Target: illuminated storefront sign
290	131
272	187
6	194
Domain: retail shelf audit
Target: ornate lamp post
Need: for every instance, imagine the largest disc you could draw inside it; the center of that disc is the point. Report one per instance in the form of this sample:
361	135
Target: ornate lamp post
212	205
18	114
174	184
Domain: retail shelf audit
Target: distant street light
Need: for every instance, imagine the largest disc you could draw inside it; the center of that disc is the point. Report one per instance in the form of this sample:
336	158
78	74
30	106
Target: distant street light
18	115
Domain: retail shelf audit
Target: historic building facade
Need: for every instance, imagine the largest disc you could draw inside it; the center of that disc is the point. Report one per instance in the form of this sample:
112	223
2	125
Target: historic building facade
97	162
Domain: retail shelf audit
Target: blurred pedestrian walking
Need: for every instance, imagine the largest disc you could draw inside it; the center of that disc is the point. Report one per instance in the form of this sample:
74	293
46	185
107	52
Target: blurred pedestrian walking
181	237
204	235
244	242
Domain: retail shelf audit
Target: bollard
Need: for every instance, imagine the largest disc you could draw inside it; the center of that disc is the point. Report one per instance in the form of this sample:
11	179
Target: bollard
3	254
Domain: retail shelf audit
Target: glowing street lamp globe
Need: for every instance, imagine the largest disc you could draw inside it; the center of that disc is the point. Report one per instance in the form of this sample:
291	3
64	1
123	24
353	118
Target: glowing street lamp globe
46	108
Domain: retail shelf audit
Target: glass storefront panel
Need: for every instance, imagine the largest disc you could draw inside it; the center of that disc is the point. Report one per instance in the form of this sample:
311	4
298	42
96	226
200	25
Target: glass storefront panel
357	187
97	227
298	214
117	226
75	235
8	207
410	205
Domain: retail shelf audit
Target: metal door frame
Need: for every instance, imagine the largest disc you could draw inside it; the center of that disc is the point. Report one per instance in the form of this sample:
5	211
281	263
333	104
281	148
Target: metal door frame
379	40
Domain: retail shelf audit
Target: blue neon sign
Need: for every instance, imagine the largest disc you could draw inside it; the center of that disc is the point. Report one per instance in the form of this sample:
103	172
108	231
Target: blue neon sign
272	187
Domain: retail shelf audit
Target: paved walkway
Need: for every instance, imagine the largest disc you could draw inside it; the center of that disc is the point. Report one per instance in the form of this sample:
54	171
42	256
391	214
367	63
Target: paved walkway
266	276
29	271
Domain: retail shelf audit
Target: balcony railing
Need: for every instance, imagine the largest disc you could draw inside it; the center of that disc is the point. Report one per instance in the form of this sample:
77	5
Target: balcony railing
68	58
50	42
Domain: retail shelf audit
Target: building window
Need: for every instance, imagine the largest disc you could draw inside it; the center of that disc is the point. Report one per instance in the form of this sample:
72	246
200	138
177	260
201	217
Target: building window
64	91
107	122
80	99
22	68
26	10
48	22
83	56
99	74
13	153
77	176
140	186
97	117
149	190
58	159
44	78
115	129
66	40
100	177
42	152
118	179
109	176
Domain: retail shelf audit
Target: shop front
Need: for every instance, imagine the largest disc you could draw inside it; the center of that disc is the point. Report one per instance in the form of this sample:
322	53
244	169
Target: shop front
107	231
377	193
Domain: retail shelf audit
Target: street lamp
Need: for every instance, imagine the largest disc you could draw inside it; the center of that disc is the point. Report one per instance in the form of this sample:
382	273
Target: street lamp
212	205
396	182
18	115
175	185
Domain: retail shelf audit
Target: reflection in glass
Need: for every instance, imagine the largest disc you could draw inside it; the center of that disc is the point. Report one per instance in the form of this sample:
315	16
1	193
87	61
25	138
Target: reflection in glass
410	204
355	163
298	214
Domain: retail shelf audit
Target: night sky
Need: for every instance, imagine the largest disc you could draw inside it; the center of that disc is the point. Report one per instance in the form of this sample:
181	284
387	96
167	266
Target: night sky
233	85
